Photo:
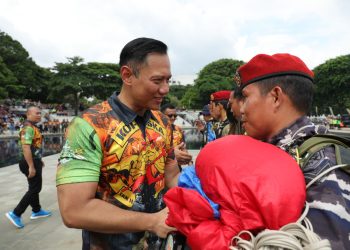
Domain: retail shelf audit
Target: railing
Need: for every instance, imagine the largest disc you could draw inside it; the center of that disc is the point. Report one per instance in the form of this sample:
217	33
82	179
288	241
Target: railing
52	144
9	148
194	139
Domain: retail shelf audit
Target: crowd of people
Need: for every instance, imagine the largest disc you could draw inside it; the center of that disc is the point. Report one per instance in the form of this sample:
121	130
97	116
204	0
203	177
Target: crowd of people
330	121
12	116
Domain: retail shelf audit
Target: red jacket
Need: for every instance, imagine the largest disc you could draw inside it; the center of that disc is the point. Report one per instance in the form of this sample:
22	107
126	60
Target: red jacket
256	185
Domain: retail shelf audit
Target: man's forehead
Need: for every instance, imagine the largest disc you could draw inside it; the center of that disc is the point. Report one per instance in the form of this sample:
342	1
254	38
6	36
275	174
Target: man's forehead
168	110
157	65
155	58
250	88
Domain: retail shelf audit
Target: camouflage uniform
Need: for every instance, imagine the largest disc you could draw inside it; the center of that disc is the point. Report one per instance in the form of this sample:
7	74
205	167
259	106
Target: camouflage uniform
221	128
329	197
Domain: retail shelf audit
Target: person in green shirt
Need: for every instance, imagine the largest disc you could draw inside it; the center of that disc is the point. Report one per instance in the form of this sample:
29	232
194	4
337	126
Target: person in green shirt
30	164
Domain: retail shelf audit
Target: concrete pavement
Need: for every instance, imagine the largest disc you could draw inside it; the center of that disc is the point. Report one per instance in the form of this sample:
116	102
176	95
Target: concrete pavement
45	233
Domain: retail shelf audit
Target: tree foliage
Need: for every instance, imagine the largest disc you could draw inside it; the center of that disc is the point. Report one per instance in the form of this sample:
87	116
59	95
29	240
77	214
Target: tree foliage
78	80
332	83
175	95
104	79
74	81
69	79
215	76
20	76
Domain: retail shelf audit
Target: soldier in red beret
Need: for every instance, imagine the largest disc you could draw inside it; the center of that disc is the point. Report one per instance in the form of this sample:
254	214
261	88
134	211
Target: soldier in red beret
277	93
234	110
218	110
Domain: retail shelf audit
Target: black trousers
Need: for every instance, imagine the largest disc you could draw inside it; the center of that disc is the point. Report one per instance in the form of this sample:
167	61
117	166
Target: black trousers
31	197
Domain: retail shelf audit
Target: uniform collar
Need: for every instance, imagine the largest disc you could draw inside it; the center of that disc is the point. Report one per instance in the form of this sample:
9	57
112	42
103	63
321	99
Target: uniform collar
124	112
32	123
296	133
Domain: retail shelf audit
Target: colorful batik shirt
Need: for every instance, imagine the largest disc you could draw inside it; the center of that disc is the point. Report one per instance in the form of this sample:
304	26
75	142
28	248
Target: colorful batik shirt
329	197
124	153
30	135
178	135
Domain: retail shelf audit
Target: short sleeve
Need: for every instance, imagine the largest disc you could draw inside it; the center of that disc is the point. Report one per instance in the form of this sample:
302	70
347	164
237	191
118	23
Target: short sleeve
27	135
81	156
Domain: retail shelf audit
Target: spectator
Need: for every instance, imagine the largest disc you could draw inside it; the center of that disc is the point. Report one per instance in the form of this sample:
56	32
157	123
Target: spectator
177	136
206	126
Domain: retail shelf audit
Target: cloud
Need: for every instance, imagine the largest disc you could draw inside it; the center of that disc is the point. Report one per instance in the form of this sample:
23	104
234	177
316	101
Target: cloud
197	31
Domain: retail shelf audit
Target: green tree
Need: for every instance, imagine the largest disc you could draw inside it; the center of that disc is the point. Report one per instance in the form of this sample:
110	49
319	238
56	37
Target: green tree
332	83
215	76
104	79
175	95
178	91
7	80
26	80
191	99
78	80
69	79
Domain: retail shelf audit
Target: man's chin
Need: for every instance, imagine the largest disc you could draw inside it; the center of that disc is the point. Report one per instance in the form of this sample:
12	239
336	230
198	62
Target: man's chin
155	107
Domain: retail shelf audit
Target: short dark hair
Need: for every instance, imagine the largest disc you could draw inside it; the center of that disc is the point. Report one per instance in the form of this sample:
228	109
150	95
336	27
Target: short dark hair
237	93
167	106
299	89
222	102
135	52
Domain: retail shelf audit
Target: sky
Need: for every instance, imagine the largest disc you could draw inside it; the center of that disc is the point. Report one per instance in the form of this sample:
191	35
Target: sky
197	32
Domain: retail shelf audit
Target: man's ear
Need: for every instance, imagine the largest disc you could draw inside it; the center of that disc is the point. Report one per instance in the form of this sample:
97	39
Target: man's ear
277	96
126	74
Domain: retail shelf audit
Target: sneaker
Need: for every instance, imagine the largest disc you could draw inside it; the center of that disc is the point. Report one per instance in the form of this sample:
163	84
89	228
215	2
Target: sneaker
16	220
42	213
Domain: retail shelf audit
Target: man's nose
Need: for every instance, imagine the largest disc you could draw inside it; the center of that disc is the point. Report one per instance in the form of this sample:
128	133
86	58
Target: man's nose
164	88
241	109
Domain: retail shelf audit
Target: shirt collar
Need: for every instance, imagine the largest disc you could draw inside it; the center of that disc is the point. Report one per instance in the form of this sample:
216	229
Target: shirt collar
32	123
296	133
124	112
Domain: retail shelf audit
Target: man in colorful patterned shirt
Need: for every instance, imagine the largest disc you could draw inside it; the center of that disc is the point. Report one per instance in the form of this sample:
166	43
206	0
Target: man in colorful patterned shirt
277	93
118	156
178	138
30	164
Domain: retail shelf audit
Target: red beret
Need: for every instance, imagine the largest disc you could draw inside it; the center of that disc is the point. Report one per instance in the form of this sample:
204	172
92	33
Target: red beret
264	66
220	95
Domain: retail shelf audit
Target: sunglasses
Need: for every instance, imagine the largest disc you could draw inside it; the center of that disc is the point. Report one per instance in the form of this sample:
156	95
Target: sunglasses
172	115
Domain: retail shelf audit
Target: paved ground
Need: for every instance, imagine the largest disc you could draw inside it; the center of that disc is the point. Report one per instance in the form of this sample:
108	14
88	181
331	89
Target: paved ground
46	233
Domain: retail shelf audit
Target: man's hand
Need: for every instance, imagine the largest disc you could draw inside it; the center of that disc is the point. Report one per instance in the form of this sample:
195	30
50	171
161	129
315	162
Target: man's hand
31	172
81	209
43	163
160	228
27	153
181	154
200	125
